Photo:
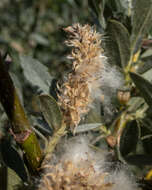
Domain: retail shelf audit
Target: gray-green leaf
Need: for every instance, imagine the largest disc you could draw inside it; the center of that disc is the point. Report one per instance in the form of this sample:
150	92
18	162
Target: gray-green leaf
87	127
119	34
51	111
141	22
12	180
36	73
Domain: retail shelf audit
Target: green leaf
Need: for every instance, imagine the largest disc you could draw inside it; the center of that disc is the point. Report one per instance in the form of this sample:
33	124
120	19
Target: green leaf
12	159
19	122
148	74
51	111
124	6
147	143
147	123
94	115
119	34
36	73
39	39
41	124
135	103
98	8
12	180
18	86
147	54
129	138
144	86
141	22
112	50
139	159
144	66
87	127
95	6
3	177
15	56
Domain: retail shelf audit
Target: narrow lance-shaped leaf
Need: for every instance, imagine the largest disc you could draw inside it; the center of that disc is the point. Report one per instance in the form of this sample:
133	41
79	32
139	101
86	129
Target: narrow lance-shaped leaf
144	86
51	111
129	138
112	49
120	35
21	128
87	127
141	22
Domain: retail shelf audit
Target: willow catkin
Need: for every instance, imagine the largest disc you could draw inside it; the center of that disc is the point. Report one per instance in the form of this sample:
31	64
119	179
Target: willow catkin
82	84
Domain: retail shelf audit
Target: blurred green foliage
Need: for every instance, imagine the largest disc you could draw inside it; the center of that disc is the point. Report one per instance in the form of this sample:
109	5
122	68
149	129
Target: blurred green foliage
35	27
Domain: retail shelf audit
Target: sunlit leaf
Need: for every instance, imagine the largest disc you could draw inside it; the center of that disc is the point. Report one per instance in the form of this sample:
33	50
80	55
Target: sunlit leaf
51	111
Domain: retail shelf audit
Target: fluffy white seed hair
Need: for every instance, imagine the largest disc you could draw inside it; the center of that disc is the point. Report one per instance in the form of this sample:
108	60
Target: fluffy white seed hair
77	151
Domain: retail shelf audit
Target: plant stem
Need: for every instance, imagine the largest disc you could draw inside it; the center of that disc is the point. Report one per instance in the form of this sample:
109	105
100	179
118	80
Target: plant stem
21	129
53	142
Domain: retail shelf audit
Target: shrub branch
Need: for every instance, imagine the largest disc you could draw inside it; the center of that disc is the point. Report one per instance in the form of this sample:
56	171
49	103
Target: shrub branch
20	127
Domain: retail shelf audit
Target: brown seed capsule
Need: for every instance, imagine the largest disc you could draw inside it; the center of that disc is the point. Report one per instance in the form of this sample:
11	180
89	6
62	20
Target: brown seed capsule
111	140
123	97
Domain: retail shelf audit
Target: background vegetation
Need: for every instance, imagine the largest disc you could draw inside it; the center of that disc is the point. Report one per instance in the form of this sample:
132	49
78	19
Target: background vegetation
34	55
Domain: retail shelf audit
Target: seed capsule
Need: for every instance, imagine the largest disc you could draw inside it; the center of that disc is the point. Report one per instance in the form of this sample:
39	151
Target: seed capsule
123	97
